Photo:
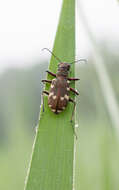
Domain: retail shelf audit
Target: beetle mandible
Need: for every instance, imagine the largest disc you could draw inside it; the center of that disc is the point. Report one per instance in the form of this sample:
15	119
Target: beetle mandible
58	96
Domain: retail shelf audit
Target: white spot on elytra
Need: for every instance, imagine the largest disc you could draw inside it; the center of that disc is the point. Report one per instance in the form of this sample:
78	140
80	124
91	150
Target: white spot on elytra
50	106
54	97
68	89
61	98
53	110
68	81
63	108
66	97
58	111
51	94
52	86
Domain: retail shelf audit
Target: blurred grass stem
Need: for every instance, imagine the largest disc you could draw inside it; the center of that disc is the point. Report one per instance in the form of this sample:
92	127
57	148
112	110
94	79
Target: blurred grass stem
105	83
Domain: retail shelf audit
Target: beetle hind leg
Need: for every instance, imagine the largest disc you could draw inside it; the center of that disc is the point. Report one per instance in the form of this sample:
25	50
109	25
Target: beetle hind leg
44	92
71	100
73	90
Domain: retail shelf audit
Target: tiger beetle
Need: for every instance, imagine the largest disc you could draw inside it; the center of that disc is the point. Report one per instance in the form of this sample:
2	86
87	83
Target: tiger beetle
58	96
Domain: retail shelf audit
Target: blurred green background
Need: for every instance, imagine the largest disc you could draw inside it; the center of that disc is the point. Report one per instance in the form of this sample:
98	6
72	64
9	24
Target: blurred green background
20	98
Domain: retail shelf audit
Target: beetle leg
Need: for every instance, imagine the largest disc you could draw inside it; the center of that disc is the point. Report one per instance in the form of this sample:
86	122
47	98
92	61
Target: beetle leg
44	92
49	81
71	100
73	90
53	74
73	79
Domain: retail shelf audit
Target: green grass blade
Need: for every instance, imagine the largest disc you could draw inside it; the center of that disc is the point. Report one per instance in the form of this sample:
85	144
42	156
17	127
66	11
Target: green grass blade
51	166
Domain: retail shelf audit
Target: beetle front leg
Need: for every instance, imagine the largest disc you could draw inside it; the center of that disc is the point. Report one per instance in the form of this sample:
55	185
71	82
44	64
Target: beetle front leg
73	79
49	81
53	74
44	92
73	90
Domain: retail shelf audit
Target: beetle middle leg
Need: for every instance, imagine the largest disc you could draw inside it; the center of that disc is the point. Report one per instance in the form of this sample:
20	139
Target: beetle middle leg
44	92
73	79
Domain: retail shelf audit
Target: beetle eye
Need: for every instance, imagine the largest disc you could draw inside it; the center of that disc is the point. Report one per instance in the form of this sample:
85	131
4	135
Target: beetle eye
68	67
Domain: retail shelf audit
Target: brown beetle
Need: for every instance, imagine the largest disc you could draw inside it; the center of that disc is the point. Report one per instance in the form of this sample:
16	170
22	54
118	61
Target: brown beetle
58	96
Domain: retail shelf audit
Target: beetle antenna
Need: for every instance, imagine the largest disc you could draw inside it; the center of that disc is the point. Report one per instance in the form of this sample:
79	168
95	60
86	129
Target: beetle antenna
52	54
79	60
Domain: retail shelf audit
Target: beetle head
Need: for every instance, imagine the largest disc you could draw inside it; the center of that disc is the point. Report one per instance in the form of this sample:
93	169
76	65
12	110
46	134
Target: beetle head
65	66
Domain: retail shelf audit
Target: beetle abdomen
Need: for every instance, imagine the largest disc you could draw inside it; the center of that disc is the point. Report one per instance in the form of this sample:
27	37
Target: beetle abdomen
58	95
